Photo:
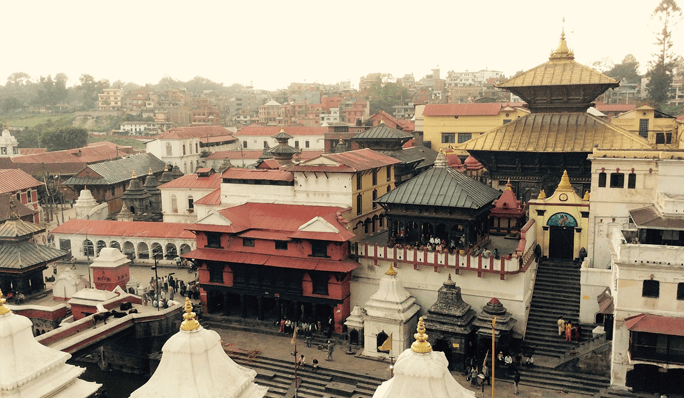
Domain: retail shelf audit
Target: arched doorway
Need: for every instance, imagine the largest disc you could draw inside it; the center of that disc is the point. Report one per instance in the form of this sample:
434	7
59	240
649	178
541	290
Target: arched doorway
100	245
562	236
143	251
129	250
185	248
157	251
114	244
88	248
382	336
444	346
171	252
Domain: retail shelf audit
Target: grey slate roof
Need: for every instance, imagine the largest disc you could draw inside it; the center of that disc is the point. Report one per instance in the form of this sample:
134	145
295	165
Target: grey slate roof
442	186
425	155
382	132
22	255
120	170
16	228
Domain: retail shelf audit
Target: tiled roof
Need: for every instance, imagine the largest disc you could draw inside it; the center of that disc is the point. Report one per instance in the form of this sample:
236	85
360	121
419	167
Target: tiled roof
305	263
211	199
20	209
422	154
362	159
217	138
193	132
193	181
444	187
24	255
382	132
556	132
487	109
125	228
259	130
12	180
279	218
257	174
70	161
656	324
404	124
614	107
31	151
119	170
17	228
237	155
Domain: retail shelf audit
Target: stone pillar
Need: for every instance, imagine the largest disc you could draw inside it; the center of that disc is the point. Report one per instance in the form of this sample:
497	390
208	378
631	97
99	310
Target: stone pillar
226	303
260	309
243	309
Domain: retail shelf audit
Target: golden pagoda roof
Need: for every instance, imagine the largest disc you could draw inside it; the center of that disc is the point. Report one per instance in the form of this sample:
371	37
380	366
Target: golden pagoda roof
556	132
561	69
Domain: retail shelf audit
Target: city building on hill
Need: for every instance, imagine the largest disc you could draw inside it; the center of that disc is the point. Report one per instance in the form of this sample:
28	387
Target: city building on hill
108	181
194	364
613	110
110	99
180	146
24	190
178	196
558	134
255	137
30	369
23	259
421	371
273	260
660	129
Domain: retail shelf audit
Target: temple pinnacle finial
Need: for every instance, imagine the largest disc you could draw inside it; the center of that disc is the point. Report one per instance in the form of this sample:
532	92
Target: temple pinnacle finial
382	121
133	174
565	183
282	130
3	308
149	173
508	186
562	52
542	195
421	345
190	323
166	167
586	195
391	271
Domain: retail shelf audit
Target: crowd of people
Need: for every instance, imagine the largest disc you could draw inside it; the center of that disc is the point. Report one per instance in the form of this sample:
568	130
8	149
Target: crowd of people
571	331
506	366
167	287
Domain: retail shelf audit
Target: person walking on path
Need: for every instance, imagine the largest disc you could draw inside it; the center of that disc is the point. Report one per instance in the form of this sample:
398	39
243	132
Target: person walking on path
309	337
561	326
568	331
331	347
314	364
516	381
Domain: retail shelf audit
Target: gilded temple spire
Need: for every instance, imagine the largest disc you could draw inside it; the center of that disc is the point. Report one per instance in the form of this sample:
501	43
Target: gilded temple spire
3	308
391	271
190	323
421	344
562	52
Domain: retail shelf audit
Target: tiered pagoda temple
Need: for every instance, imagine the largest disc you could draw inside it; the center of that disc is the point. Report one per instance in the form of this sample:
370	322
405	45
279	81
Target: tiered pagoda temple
534	150
442	203
508	214
450	320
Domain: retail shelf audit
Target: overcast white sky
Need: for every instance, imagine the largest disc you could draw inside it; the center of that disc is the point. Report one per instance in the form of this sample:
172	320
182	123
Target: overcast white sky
272	43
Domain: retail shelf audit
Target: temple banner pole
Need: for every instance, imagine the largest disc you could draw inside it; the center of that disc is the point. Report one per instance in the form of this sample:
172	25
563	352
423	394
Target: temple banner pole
493	354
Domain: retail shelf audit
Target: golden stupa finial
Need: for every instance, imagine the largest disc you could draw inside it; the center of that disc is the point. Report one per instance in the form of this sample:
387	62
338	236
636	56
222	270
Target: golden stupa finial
542	195
166	167
586	195
508	185
3	308
341	141
133	174
564	183
282	130
391	271
149	173
382	121
562	52
189	323
421	345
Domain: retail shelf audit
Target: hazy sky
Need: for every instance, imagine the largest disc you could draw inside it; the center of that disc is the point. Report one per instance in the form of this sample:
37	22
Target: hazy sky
273	43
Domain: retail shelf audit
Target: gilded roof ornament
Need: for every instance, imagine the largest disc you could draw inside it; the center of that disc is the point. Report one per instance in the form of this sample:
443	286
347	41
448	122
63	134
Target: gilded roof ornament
565	183
542	195
3	308
382	121
562	53
508	186
190	323
421	344
391	271
166	167
149	173
586	195
133	174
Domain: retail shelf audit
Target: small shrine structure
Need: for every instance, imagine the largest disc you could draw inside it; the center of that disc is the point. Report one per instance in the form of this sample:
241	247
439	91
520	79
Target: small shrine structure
67	283
31	370
422	372
194	364
391	311
111	269
450	320
508	214
503	330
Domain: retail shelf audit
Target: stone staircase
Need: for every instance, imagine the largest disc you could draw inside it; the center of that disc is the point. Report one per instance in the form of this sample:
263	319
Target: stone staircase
610	393
278	376
556	293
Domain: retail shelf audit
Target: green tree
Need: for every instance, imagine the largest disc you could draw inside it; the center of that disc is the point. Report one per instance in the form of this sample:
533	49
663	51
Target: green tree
668	14
10	103
384	96
89	89
65	138
627	71
28	138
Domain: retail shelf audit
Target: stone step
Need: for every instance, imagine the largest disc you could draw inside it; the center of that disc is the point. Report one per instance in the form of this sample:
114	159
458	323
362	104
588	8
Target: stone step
611	393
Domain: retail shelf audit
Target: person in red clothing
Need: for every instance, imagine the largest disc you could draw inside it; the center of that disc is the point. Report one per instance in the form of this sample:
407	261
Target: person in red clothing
568	331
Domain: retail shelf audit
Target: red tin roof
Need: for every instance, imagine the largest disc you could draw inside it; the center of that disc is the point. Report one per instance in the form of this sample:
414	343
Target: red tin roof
258	174
125	228
269	164
193	132
193	181
306	263
488	109
359	160
217	138
212	199
31	151
255	129
656	324
12	180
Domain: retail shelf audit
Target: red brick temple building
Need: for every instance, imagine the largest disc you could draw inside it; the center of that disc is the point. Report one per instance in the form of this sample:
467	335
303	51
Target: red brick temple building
272	260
